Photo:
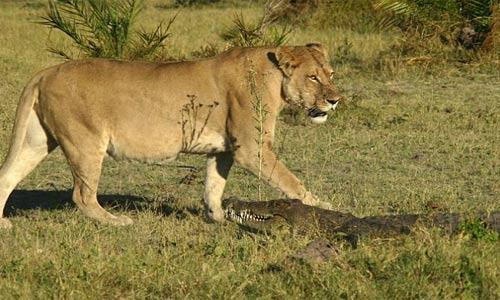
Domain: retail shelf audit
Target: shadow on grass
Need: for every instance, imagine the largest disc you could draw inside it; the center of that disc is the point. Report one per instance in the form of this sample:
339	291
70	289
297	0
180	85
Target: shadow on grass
21	200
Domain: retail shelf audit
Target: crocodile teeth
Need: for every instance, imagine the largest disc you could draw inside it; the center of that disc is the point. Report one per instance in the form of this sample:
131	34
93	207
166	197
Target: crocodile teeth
244	215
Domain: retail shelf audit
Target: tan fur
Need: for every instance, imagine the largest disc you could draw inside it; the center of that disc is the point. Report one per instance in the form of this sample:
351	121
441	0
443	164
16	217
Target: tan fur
145	111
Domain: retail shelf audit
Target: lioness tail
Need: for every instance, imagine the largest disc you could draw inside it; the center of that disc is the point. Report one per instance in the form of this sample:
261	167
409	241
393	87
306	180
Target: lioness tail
26	102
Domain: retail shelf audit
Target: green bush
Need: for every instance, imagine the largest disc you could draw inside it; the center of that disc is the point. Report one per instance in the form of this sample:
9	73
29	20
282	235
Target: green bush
478	12
104	28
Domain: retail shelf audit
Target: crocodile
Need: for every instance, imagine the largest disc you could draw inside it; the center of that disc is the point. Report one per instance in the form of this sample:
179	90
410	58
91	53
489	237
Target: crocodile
266	216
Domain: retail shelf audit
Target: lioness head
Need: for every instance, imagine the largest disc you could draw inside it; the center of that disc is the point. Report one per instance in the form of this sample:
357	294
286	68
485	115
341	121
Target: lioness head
307	79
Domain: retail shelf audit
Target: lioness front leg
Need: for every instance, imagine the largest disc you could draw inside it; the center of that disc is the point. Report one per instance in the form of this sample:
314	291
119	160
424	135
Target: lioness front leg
218	167
276	174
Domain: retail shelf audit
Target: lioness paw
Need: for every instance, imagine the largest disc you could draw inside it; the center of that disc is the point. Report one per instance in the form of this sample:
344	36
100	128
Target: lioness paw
324	205
119	221
216	215
312	200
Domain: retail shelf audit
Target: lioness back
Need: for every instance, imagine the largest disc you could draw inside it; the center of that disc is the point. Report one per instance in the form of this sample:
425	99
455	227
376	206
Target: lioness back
139	108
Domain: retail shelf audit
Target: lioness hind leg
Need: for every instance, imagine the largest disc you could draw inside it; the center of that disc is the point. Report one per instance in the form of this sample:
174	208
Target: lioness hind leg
86	169
37	144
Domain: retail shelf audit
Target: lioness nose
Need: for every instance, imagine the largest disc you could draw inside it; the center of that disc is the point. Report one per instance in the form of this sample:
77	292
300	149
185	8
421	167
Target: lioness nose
334	100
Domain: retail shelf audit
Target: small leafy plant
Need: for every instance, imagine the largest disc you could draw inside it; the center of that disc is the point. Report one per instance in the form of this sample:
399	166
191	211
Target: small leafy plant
476	230
104	28
262	33
260	113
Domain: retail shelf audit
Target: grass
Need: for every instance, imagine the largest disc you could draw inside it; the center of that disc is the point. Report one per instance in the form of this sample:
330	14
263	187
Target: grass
408	140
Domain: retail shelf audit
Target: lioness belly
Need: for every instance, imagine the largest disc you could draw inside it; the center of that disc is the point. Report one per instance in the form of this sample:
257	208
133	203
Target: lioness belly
209	141
145	151
167	148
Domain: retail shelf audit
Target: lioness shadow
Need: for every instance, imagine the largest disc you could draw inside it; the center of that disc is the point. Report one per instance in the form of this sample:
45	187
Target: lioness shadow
21	200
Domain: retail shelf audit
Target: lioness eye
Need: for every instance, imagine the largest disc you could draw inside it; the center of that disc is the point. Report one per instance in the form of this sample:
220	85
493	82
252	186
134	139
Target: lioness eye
314	78
331	75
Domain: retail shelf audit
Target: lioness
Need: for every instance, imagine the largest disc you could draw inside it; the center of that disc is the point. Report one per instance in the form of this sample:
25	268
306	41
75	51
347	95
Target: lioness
151	111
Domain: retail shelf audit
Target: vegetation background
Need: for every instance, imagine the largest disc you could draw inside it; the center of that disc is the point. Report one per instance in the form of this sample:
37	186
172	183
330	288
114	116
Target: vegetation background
419	133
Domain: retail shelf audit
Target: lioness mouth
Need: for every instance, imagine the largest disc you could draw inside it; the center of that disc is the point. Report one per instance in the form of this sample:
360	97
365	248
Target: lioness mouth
317	115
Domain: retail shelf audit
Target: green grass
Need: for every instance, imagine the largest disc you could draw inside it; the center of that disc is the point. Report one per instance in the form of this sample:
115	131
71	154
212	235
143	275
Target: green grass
404	141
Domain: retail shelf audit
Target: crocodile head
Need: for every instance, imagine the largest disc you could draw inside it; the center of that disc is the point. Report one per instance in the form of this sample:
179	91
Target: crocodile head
265	215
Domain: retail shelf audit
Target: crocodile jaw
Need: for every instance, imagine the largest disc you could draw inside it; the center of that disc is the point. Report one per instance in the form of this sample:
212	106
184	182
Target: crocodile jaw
245	216
262	215
237	211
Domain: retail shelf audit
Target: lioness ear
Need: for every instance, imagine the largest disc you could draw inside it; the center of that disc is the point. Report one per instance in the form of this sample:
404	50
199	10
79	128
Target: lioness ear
285	60
319	47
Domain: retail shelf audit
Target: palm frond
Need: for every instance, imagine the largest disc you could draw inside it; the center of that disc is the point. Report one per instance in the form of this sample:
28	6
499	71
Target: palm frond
393	13
103	28
150	42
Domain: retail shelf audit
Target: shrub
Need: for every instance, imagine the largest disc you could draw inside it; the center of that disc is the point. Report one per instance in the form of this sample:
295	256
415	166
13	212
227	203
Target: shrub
355	15
492	39
100	28
465	22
